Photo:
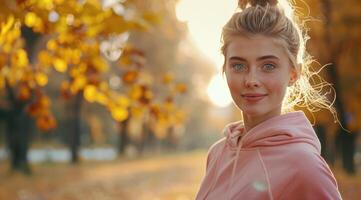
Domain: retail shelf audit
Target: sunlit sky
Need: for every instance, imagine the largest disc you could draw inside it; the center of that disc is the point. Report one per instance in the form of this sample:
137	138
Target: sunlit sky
205	19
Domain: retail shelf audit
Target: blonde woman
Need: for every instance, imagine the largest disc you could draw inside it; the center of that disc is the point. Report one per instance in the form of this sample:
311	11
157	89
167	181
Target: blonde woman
272	153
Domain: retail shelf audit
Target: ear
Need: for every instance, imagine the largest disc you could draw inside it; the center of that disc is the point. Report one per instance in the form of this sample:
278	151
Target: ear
294	74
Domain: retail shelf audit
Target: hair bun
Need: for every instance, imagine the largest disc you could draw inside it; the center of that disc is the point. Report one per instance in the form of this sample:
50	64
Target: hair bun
243	3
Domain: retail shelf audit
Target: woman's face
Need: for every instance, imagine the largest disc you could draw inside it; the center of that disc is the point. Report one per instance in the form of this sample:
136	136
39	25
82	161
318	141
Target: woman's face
258	72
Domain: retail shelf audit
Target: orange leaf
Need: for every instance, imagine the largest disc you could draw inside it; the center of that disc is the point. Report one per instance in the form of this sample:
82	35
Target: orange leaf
130	77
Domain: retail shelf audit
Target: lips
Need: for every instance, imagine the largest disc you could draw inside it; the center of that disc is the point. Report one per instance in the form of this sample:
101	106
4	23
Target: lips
252	97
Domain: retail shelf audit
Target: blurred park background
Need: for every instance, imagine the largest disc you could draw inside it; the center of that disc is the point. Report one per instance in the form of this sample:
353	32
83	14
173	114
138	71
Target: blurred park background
120	99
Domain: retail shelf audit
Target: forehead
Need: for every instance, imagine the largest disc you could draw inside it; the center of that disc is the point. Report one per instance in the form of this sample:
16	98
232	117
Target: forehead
255	46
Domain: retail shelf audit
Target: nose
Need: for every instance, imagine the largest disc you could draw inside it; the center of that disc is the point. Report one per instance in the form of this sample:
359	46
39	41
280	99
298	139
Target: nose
251	79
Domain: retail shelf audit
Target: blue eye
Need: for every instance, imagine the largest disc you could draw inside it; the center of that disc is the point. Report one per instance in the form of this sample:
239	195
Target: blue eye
238	67
269	67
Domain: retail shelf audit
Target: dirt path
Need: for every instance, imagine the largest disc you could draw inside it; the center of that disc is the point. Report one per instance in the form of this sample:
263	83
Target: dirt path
167	177
173	177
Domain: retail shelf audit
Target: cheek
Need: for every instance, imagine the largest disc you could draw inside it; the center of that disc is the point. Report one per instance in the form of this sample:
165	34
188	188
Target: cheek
277	87
233	83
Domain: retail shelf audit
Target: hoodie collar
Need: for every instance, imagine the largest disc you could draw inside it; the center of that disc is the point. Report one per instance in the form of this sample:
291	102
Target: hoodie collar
282	129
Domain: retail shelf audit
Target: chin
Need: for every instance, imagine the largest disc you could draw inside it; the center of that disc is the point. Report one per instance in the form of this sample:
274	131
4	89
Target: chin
252	112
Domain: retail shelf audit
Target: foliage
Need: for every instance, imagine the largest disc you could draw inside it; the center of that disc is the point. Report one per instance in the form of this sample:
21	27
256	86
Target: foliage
84	38
336	39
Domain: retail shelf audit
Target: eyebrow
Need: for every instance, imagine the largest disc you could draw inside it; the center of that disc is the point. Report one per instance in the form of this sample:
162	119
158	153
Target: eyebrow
258	59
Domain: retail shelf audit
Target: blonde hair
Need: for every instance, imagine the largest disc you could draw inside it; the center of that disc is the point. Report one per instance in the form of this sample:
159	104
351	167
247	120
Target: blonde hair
277	20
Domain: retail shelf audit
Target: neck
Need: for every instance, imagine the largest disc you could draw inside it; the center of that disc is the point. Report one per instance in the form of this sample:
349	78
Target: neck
250	121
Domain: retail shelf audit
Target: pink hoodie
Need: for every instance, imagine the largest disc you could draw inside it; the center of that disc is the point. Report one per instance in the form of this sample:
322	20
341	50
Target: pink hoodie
277	159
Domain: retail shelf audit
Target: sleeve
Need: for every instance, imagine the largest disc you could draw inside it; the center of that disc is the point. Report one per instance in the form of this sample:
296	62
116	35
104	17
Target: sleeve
207	163
211	153
313	180
209	157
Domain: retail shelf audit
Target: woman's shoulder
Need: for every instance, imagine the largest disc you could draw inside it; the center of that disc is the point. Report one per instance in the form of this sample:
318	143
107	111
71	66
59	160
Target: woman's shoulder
309	167
217	146
213	151
312	178
303	172
299	158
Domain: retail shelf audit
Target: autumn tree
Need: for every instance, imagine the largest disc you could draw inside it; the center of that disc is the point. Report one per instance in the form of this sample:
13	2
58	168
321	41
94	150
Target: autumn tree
335	38
341	32
84	38
163	115
22	83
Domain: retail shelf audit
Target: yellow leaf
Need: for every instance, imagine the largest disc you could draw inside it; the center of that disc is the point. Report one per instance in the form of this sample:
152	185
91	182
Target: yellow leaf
78	70
31	19
181	88
6	27
137	111
167	78
79	82
60	65
94	30
58	2
66	37
75	56
41	78
82	67
20	58
46	4
102	99
90	93
99	64
119	113
73	89
45	58
52	45
148	94
103	86
135	92
122	101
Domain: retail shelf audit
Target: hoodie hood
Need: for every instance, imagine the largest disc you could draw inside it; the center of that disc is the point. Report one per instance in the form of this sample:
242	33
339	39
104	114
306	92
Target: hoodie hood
288	128
284	129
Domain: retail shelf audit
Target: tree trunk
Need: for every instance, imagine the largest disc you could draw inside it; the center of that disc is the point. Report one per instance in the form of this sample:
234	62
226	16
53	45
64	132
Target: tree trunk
321	134
18	139
348	151
171	142
123	136
17	132
347	140
75	131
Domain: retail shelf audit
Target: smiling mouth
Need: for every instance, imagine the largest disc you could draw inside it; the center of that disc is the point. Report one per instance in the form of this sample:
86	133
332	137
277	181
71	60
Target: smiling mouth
253	97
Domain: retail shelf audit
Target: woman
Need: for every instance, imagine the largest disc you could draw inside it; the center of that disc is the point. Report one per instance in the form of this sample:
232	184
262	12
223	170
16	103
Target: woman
272	153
